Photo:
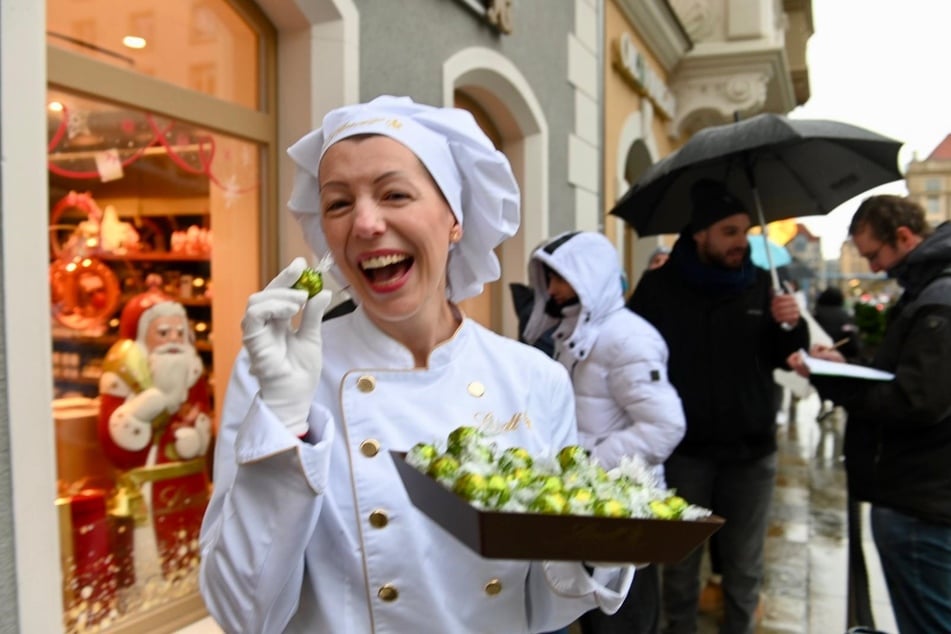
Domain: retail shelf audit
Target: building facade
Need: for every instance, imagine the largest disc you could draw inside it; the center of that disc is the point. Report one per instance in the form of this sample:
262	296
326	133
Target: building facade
807	267
673	68
929	182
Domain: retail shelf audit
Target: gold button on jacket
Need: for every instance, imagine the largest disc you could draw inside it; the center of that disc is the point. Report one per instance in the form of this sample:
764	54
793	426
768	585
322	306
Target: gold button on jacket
493	587
388	592
366	383
370	447
378	519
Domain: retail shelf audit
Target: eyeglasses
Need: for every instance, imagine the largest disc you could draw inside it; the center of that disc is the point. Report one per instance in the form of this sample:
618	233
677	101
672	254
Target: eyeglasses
873	256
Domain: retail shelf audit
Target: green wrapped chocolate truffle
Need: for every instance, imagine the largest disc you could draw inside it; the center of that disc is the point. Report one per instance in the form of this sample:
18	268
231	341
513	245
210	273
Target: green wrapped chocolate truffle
421	455
443	467
515	458
676	504
461	439
311	280
497	491
548	484
611	508
660	510
572	456
550	503
582	496
521	477
470	485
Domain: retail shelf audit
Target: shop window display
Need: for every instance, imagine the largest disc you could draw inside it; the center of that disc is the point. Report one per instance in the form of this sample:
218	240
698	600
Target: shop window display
134	201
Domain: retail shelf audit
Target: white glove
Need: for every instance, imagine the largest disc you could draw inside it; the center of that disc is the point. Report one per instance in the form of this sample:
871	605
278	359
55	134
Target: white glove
615	564
286	362
187	442
130	426
193	441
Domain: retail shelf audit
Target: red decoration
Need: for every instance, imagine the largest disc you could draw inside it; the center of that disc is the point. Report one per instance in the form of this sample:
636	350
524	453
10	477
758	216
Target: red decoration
90	582
160	136
84	292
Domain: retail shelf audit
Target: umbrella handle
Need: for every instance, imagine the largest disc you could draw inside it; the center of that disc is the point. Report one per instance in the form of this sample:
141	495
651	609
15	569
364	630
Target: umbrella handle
785	290
762	224
777	287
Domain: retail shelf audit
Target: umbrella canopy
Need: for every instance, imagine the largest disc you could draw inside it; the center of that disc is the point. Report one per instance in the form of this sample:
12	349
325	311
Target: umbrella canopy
781	167
779	255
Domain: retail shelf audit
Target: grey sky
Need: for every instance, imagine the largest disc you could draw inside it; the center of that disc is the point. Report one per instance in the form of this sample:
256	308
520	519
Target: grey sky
882	65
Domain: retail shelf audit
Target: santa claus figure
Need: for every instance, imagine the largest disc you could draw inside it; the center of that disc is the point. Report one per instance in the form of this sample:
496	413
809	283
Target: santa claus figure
154	426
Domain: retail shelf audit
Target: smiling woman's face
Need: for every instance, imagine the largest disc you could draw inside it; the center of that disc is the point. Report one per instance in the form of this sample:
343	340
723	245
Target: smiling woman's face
388	227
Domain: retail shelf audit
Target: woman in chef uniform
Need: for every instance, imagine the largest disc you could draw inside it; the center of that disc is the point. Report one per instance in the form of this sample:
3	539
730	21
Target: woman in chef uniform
309	528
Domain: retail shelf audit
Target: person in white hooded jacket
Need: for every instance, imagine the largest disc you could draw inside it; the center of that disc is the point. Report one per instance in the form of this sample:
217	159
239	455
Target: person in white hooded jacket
625	406
309	528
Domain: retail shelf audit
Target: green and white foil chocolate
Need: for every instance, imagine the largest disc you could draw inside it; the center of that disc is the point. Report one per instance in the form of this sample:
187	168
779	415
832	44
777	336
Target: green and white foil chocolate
312	278
510	479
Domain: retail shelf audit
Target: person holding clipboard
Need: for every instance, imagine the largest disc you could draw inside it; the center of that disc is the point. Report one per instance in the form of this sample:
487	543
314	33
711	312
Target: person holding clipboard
898	436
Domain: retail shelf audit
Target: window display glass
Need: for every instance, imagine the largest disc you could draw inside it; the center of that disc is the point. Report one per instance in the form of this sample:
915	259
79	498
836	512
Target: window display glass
136	204
204	45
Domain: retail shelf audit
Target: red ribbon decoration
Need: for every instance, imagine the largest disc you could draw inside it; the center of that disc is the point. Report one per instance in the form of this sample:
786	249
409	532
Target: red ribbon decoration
206	154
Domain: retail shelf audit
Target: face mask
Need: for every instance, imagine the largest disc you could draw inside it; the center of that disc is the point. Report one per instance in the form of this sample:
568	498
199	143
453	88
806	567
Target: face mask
554	309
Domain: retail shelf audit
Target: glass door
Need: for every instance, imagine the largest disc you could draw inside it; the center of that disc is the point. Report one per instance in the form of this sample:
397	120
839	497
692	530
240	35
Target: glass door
158	212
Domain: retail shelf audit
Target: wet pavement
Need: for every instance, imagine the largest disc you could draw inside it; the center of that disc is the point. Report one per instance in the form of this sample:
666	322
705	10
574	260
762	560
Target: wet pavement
805	588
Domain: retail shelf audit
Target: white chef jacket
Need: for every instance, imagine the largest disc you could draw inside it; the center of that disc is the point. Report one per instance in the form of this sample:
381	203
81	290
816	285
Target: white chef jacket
319	535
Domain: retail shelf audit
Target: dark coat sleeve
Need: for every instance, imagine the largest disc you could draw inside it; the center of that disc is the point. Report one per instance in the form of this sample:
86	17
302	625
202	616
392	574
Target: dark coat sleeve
641	300
785	342
920	394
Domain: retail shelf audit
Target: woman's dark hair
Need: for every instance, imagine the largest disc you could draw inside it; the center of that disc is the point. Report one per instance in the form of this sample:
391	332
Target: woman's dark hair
883	214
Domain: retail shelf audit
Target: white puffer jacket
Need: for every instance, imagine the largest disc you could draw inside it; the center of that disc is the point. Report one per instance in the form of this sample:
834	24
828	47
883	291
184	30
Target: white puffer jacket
624	402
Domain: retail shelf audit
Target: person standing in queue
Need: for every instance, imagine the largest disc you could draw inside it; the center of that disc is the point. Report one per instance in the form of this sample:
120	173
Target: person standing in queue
625	405
724	326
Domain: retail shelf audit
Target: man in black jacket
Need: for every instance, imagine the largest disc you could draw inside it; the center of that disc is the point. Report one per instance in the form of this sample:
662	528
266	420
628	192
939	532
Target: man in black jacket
724	328
898	436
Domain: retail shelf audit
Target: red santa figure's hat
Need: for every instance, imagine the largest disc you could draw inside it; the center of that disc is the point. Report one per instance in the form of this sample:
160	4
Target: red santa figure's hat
143	308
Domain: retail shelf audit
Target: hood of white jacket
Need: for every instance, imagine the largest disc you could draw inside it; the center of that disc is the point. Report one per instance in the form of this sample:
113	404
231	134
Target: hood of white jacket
589	262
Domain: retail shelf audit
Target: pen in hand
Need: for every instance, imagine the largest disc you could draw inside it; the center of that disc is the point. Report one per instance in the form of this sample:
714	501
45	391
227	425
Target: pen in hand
841	342
819	349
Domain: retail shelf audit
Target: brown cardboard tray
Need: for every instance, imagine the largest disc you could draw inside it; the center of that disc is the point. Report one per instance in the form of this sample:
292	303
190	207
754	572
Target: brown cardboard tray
503	535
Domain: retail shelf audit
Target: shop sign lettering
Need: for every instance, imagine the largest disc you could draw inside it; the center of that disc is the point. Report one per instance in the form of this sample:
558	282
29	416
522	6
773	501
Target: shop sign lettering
633	66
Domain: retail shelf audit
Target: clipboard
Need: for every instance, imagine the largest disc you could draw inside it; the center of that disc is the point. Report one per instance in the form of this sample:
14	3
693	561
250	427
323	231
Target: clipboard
846	370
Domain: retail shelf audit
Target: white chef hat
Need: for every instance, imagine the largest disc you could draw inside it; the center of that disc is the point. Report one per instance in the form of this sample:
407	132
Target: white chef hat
475	178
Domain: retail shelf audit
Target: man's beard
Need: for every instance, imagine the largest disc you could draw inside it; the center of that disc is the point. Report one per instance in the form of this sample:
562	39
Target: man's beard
175	368
720	261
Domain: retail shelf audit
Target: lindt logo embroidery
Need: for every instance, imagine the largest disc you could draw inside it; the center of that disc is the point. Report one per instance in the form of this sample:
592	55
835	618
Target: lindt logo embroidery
489	424
396	124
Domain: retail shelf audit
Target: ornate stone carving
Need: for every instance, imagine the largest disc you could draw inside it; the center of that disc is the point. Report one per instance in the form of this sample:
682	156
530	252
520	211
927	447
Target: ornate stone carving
499	14
713	100
698	17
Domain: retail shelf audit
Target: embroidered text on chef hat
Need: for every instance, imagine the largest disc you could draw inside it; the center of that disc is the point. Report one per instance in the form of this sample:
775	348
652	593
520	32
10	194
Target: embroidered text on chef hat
475	178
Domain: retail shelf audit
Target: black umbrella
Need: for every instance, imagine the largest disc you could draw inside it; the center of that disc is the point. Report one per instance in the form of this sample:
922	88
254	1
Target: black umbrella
781	167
